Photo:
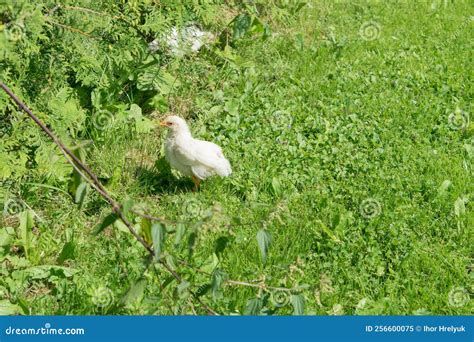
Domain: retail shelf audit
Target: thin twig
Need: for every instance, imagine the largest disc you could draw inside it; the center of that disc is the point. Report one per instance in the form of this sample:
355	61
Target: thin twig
260	285
88	10
70	28
94	181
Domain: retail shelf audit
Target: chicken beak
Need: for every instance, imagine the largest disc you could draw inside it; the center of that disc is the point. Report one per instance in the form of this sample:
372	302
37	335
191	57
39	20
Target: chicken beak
163	124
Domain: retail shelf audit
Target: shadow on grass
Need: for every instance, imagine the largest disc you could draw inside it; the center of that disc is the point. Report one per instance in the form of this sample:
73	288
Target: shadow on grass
159	179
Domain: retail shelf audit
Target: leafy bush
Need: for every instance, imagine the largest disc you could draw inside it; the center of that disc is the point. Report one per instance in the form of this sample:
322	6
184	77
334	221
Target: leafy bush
348	130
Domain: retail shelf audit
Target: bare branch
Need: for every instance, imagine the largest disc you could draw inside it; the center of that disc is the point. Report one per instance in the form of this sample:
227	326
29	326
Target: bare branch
94	181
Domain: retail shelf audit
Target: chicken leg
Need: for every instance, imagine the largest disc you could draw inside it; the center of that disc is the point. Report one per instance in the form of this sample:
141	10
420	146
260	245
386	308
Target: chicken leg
196	181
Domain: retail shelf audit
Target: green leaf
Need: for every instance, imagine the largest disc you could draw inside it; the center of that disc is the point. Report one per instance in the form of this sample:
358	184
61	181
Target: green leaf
68	252
460	206
134	293
121	226
264	240
76	178
220	244
109	219
127	205
203	289
253	306
142	123
150	79
51	163
297	301
26	226
444	187
180	231
8	309
328	231
81	194
145	230
43	272
182	289
158	233
192	242
5	238
241	25
218	278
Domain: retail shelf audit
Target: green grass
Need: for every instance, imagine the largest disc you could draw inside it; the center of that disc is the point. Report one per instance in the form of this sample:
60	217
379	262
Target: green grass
340	147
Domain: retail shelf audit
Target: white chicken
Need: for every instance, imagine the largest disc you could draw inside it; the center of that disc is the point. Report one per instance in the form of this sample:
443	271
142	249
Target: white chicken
198	159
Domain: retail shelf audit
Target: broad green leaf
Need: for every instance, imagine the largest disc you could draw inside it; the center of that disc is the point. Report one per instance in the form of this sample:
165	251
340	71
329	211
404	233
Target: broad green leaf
241	25
218	278
210	264
76	178
8	309
109	219
158	232
134	293
220	244
43	272
127	205
192	241
180	231
444	187
121	226
297	301
328	231
182	289
171	261
5	238
26	226
68	252
142	123
264	240
81	194
253	306
145	230
460	206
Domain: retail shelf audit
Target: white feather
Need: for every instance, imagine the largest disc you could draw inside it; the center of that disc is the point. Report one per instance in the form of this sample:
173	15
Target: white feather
193	157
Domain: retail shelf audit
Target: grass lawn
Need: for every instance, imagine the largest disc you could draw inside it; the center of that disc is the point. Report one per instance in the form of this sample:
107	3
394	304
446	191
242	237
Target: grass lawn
349	136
